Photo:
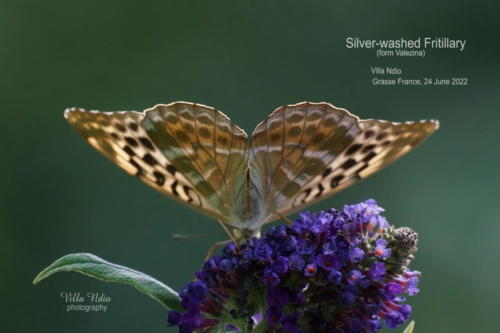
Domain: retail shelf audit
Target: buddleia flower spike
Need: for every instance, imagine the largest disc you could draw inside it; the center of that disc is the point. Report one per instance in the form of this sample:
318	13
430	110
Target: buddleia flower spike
333	271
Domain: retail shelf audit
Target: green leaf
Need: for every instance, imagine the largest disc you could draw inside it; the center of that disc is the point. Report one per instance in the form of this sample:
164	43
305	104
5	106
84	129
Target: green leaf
100	269
410	327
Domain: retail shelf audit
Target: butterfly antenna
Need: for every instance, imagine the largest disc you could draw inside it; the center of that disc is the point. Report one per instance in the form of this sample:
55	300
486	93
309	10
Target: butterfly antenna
184	236
283	217
231	236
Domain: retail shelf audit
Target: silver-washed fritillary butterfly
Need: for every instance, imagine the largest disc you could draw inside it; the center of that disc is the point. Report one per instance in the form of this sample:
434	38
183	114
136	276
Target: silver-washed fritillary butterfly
300	154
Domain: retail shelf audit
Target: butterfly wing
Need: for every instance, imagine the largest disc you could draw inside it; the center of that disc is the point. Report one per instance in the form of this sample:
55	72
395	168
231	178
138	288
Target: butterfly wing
207	148
305	152
158	148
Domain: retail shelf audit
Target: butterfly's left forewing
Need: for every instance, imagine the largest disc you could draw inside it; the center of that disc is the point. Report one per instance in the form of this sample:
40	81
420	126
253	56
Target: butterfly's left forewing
305	152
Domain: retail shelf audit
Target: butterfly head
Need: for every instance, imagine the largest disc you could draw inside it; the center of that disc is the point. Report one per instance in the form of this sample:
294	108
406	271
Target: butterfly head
242	235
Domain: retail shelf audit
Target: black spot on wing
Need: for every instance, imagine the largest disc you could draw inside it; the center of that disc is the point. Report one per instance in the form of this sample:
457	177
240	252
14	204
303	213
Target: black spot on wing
139	172
306	192
133	126
320	190
129	150
368	148
188	192
327	172
149	159
368	134
352	149
381	136
348	164
171	169
336	180
147	143
173	187
120	127
131	141
160	178
369	156
358	176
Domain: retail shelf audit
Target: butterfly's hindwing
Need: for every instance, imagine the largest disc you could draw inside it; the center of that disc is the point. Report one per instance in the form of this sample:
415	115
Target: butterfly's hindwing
206	147
295	144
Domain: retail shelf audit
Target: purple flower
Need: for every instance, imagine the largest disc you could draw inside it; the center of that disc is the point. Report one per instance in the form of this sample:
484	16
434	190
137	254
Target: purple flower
374	324
334	276
354	277
329	248
357	254
198	289
412	286
327	272
256	318
377	271
227	264
271	279
305	247
392	289
393	319
273	315
296	262
280	265
263	251
174	318
310	270
326	261
230	249
193	294
380	249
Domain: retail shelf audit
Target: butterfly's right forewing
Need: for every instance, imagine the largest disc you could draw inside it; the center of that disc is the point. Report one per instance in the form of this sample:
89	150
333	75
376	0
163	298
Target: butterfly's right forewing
305	152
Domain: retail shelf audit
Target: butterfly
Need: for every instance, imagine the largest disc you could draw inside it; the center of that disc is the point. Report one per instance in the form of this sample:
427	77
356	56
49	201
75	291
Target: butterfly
300	154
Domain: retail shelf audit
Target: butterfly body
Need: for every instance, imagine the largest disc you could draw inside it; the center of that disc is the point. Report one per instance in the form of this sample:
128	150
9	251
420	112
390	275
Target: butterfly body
300	154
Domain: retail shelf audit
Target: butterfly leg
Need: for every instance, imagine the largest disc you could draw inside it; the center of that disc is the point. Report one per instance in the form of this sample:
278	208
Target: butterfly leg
286	219
214	247
230	234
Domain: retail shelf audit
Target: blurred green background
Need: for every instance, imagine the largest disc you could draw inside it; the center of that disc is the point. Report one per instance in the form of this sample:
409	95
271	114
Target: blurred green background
58	195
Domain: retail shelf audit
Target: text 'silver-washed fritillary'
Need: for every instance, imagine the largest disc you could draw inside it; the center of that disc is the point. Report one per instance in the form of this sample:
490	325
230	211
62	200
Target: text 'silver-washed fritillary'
300	154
